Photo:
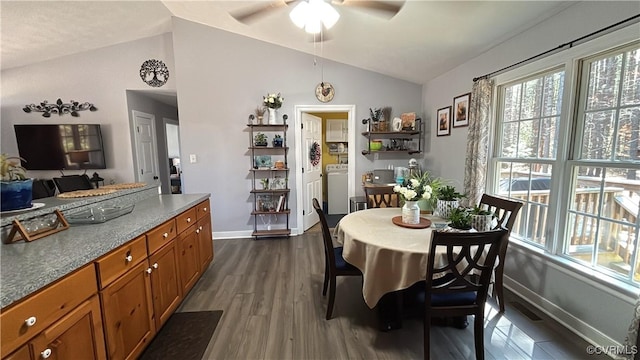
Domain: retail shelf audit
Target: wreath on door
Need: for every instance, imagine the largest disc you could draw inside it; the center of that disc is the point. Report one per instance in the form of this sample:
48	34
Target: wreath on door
315	153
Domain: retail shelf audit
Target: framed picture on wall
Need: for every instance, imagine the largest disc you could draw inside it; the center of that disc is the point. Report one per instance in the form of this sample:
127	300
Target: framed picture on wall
461	110
443	121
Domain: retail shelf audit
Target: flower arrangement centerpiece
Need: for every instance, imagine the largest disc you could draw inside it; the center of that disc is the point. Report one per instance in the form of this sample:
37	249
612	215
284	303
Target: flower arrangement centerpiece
272	102
415	188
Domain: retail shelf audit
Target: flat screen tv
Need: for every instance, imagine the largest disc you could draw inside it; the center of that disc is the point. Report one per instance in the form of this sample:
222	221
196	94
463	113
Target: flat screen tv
61	146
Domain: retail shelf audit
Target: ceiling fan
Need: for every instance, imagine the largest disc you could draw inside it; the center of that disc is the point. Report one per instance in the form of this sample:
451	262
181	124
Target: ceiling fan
386	9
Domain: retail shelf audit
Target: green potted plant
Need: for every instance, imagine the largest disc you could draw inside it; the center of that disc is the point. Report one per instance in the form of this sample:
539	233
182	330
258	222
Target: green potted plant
460	219
481	219
277	141
447	200
260	139
15	188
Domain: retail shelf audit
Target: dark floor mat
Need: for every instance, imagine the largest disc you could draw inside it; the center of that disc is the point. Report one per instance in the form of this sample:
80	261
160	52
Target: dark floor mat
185	336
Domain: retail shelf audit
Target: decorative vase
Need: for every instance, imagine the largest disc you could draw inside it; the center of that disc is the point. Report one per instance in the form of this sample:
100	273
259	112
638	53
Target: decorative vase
425	206
277	142
411	212
16	195
481	222
444	207
259	117
273	117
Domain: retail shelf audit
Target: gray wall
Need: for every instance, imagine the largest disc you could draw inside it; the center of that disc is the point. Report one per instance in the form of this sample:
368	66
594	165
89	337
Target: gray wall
599	310
222	77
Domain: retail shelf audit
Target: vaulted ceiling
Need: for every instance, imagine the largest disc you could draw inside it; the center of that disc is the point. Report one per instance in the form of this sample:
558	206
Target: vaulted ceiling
424	39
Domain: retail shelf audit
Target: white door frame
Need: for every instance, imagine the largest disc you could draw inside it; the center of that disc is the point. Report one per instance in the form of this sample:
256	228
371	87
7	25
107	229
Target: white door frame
300	152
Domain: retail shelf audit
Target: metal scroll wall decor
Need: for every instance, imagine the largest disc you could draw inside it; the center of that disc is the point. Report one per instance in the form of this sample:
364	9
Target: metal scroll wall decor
154	72
59	108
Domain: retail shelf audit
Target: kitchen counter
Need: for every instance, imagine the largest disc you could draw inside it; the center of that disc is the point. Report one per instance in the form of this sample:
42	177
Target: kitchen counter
28	267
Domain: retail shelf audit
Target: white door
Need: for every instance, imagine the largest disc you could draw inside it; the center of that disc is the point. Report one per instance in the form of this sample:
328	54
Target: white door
146	148
311	175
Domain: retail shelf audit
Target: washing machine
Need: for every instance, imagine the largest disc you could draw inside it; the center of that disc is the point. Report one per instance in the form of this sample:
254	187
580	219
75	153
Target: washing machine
337	183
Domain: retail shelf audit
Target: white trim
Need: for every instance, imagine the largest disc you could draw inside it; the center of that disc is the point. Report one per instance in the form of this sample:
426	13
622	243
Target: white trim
351	118
242	234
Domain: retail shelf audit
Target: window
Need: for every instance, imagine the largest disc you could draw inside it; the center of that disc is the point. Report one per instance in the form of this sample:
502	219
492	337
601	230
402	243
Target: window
584	160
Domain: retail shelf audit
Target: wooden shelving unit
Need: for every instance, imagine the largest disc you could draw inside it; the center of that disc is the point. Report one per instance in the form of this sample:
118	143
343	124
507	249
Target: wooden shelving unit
270	199
400	137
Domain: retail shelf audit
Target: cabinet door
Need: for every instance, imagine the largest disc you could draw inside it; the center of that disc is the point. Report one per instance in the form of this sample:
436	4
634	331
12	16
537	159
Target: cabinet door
205	241
165	282
336	131
78	335
24	353
189	262
128	313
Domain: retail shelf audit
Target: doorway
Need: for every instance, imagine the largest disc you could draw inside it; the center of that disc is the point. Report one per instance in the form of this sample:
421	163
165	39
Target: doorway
302	152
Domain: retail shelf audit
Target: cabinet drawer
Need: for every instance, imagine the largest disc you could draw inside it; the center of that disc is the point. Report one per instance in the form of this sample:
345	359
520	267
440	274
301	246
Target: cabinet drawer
116	263
186	219
44	308
203	209
161	235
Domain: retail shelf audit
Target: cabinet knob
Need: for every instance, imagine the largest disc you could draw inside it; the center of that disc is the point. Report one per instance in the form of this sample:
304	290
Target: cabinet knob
46	353
149	270
197	231
205	209
188	219
129	258
165	235
200	227
155	265
30	321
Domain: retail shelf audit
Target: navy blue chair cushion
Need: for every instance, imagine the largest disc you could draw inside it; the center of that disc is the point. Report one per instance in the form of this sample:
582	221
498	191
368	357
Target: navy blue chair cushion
453	299
341	264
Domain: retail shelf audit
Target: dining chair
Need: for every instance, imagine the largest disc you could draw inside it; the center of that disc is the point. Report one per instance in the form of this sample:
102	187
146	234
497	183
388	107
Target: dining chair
334	264
381	196
506	212
459	268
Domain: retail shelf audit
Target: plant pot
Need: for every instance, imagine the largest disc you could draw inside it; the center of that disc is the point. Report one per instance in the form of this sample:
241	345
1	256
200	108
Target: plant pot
277	142
481	222
16	195
444	207
425	206
411	212
273	117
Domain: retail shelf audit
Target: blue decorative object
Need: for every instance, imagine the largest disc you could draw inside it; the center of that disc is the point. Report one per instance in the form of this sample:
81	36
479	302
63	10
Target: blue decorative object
16	195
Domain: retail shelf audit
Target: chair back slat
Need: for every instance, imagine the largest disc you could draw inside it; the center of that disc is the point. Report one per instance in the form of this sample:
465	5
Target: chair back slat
467	265
505	210
381	196
326	236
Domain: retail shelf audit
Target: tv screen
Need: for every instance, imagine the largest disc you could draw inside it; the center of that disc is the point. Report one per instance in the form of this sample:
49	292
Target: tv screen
60	147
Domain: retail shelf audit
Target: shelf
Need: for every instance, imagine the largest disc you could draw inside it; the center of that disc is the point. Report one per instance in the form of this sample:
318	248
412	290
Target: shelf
270	169
270	191
367	152
270	212
277	232
275	127
268	148
394	133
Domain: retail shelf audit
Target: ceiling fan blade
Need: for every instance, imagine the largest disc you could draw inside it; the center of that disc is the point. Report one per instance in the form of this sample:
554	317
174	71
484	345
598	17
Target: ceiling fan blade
250	14
387	9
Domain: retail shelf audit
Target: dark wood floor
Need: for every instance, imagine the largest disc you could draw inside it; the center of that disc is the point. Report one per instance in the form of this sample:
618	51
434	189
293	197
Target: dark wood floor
270	291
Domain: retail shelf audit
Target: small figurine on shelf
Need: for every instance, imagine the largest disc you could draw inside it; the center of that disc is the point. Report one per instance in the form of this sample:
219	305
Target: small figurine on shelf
277	141
260	110
265	183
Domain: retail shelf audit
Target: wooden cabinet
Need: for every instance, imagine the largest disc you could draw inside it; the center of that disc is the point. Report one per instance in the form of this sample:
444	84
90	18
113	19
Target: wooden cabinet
128	313
403	141
36	313
336	130
270	181
78	335
24	353
165	282
189	261
205	242
121	260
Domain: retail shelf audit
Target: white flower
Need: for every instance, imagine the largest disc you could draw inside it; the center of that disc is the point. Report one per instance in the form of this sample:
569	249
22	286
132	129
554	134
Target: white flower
414	183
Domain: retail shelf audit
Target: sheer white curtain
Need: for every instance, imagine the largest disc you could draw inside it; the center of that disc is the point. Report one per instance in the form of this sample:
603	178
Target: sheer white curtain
478	140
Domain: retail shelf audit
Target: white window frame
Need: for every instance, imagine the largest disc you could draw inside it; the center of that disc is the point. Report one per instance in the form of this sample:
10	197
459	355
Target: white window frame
560	195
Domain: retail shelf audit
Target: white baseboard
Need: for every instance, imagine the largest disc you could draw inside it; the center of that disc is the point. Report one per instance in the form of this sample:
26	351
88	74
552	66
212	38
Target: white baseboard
587	332
242	234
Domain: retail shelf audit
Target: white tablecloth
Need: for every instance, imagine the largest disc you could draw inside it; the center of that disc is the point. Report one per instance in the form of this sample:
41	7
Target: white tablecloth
390	257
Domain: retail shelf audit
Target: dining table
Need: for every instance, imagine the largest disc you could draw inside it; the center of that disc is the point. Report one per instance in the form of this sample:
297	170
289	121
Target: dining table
391	257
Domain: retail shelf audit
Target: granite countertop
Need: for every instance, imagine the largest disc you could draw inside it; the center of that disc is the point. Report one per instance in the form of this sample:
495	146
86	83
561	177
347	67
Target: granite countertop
28	267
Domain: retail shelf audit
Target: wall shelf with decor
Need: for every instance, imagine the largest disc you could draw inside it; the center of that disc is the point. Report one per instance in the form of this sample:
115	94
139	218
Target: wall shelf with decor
407	141
269	171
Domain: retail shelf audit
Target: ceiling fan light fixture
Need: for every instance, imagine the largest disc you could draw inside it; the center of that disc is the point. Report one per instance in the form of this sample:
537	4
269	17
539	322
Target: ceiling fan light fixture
313	14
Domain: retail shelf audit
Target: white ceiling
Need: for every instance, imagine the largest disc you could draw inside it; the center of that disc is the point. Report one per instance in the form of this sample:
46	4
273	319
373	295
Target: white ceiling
424	40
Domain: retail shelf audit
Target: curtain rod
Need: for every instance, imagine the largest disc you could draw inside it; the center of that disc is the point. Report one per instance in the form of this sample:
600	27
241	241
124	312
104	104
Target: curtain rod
560	47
